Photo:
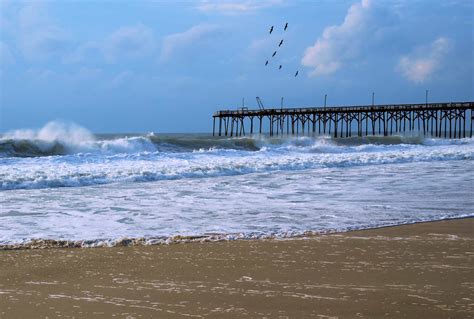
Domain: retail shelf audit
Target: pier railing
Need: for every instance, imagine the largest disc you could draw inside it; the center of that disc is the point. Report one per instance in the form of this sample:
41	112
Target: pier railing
452	119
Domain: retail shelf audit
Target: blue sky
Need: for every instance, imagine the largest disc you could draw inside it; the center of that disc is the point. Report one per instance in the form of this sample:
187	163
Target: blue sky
166	66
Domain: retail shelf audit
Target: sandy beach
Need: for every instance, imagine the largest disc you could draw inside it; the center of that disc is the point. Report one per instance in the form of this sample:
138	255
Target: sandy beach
412	271
236	159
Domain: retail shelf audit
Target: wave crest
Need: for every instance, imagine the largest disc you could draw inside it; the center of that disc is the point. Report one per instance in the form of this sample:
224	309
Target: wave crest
57	138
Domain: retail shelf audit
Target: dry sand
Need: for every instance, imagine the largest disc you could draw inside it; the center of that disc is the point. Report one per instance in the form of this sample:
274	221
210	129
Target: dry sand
414	271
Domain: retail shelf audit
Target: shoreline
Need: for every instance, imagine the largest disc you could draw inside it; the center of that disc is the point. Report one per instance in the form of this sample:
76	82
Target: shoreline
416	270
189	239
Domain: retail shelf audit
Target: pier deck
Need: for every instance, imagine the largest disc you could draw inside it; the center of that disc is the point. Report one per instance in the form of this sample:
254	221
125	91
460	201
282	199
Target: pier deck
448	120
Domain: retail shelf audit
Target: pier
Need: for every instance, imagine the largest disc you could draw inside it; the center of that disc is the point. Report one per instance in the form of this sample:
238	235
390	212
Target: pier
448	120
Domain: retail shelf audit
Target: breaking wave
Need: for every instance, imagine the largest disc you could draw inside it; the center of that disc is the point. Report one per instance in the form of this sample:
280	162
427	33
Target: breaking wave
62	139
57	138
67	155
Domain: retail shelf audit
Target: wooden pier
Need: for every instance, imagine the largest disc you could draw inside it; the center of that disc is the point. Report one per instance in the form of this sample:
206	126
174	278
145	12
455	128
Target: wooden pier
448	120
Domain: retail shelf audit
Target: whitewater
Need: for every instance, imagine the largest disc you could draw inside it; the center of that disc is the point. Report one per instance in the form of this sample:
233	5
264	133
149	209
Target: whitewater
62	182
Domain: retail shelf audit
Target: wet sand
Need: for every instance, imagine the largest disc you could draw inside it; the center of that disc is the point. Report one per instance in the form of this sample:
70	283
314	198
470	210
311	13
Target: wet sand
413	271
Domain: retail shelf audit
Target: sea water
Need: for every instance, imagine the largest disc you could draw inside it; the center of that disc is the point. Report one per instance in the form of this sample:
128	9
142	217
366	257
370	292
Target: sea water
64	183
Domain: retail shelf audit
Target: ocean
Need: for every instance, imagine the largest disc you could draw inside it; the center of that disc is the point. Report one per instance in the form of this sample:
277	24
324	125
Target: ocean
63	185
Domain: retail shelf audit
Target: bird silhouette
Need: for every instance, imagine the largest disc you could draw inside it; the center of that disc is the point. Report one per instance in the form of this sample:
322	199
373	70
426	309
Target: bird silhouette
271	30
296	74
274	53
286	27
266	63
279	68
281	42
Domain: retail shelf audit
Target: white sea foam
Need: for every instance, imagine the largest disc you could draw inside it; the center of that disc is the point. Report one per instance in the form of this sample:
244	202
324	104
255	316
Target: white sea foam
259	205
128	166
158	186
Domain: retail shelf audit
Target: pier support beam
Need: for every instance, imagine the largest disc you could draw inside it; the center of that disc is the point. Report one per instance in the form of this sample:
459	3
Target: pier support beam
213	126
457	117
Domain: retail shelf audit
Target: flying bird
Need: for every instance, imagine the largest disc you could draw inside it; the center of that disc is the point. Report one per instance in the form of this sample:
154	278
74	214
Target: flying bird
281	42
266	63
271	30
286	27
279	67
296	74
274	53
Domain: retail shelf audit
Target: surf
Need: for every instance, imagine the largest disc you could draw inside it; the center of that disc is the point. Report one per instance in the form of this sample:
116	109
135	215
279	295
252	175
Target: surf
60	139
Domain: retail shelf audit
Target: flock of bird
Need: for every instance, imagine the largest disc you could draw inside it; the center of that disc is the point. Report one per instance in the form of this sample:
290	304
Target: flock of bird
279	45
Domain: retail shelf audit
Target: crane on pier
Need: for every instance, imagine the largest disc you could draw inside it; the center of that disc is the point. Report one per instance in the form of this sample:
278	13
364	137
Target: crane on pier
260	104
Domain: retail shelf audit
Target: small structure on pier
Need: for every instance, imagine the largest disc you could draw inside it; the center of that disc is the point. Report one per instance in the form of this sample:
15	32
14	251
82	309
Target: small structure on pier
448	120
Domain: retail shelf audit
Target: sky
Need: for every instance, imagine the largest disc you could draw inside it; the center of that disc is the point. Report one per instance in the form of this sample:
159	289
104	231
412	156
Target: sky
166	66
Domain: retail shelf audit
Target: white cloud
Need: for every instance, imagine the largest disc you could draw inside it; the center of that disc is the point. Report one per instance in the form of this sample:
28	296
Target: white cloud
129	42
39	37
418	66
178	41
341	43
236	7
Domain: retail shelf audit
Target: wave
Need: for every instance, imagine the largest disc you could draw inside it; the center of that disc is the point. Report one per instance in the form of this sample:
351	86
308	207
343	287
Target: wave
58	139
48	243
67	155
79	170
